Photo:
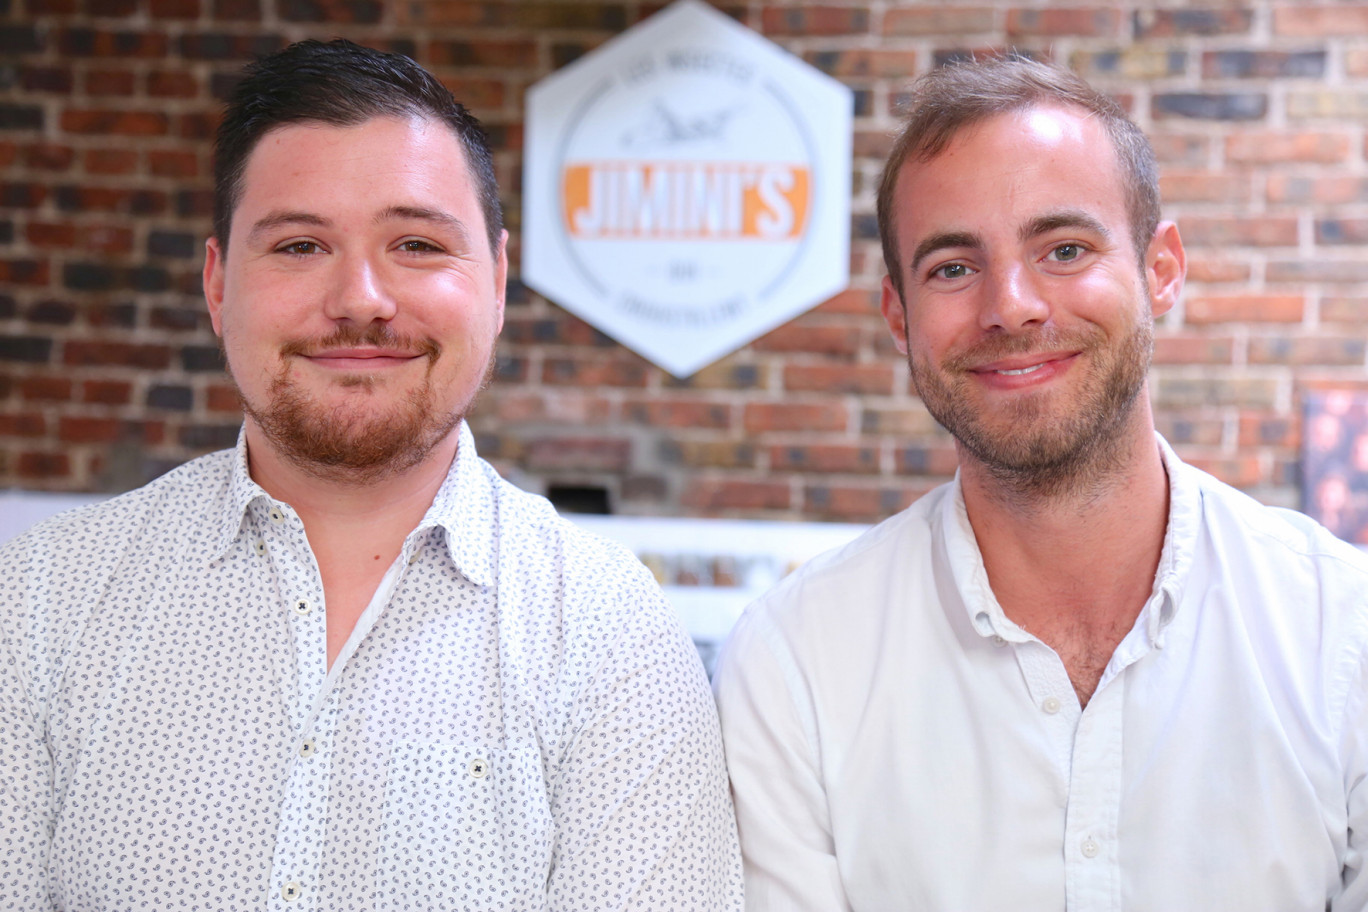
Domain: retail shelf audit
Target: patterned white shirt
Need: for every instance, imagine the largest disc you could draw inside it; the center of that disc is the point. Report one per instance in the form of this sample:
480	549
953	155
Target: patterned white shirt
517	721
896	742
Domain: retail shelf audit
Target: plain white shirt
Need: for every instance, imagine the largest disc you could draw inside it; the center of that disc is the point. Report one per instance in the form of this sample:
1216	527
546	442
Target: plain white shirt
517	721
896	743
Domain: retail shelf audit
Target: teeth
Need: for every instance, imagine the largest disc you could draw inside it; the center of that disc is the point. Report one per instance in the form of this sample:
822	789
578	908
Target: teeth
1025	370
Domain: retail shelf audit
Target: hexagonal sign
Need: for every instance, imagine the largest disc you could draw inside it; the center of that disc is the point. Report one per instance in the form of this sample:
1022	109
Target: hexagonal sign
686	187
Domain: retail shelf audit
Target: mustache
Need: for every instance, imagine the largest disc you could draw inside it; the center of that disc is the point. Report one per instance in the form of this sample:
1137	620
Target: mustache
377	335
1045	339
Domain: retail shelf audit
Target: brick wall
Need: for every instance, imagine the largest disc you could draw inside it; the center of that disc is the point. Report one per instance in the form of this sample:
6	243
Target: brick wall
109	373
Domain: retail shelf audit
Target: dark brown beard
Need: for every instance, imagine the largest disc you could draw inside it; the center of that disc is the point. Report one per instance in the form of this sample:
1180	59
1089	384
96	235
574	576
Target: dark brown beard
343	444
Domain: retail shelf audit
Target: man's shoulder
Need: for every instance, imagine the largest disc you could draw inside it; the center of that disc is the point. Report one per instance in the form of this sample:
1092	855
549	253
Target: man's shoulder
902	545
182	496
1272	533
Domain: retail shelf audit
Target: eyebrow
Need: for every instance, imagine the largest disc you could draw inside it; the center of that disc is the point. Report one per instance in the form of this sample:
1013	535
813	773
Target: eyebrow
422	213
273	220
941	242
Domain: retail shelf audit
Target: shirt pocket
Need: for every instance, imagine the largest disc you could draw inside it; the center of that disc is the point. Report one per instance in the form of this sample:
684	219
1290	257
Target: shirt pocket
465	828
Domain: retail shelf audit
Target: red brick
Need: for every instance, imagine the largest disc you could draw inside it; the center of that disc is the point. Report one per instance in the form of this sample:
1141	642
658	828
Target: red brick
1265	429
1180	148
1268	147
729	374
23	196
719	454
118	83
940	459
1237	471
1356	61
954	21
1172	23
761	417
835	458
1344	310
578	453
1190	348
1208	268
43	465
1199	427
678	413
1341	231
814	20
865	63
1320	270
814	338
502	53
168	163
49	156
591	371
1309	351
172	84
911	420
875	144
1176	186
174	9
48	234
1236	231
1248	308
1093	22
24	424
24	272
107	238
1337	20
86	353
859	301
88	430
45	389
116	123
480	94
110	161
859	503
221	397
1329	188
869	379
106	392
719	495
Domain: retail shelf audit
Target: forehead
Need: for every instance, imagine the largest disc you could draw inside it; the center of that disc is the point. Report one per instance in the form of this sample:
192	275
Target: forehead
1011	163
377	161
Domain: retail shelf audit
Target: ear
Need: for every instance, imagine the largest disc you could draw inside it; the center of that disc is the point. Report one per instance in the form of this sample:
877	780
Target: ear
894	313
213	283
1165	268
501	277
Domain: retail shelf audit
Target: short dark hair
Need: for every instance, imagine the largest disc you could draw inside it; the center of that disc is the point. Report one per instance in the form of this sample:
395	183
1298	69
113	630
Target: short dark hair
341	84
961	94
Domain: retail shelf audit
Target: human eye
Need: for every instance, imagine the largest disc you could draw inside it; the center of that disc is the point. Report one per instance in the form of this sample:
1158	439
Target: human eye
1065	253
298	248
418	245
951	271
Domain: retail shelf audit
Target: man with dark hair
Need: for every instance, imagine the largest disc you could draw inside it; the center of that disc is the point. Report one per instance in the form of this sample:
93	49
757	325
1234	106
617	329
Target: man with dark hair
1082	675
345	665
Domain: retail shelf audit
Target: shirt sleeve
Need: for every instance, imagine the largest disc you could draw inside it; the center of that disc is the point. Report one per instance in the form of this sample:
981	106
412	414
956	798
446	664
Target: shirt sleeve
26	811
1354	896
769	729
642	815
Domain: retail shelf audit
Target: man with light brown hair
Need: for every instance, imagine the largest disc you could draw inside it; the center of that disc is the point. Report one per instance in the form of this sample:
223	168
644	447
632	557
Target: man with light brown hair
1082	675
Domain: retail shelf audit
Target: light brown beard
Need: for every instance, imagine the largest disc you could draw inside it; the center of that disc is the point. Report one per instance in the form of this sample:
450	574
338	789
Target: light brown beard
1040	455
347	445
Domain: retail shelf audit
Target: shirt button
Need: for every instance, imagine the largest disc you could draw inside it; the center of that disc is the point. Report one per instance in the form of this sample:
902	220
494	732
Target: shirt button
260	547
479	768
1050	705
307	748
302	606
1090	848
277	515
291	891
998	641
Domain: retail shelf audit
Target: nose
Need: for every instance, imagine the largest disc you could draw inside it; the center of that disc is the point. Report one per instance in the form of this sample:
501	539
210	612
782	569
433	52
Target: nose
1013	299
358	292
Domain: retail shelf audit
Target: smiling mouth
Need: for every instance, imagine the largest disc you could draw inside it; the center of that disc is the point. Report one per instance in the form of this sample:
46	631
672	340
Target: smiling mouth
1017	373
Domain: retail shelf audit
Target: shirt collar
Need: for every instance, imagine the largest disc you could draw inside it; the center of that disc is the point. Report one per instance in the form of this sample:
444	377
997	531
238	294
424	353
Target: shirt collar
1175	558
464	508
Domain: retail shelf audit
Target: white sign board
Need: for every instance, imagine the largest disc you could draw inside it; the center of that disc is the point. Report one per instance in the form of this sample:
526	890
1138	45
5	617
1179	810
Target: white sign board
686	187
